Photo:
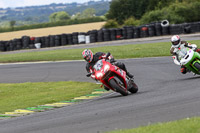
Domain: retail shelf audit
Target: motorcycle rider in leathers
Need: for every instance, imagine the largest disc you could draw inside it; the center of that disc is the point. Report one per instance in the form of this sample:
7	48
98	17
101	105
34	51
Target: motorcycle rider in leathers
176	47
92	59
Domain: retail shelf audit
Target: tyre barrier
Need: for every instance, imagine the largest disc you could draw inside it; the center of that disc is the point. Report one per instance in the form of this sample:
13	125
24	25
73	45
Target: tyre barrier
176	29
81	38
165	27
158	29
112	34
144	31
119	34
106	34
151	30
127	32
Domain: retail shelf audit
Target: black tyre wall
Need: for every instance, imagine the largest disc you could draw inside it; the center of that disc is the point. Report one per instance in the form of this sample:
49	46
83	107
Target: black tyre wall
106	35
144	31
176	29
151	30
75	38
158	29
100	36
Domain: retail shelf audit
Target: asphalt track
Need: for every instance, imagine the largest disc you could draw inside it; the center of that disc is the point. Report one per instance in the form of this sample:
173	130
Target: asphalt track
164	95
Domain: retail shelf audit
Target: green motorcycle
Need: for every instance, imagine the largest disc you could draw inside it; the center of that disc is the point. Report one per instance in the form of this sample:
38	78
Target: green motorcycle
189	58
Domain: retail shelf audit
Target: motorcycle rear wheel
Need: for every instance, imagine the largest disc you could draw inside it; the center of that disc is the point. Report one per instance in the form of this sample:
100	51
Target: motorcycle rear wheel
117	87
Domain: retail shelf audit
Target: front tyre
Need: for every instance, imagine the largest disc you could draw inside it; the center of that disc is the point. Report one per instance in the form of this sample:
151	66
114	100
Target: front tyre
134	88
117	87
197	65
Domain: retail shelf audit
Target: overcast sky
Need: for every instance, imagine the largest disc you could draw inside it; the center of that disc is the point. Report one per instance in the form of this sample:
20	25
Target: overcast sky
22	3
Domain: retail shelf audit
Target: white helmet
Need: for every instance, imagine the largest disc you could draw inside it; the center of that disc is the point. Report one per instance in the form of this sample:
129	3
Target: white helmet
176	41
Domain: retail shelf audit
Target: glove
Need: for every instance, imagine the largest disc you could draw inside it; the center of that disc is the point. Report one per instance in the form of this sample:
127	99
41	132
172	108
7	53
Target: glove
112	60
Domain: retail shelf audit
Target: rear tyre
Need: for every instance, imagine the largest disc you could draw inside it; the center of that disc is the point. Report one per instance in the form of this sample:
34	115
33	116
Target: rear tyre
197	65
117	87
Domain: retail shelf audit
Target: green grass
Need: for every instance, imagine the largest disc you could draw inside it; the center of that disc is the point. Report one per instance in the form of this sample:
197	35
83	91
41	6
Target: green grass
119	52
190	125
23	95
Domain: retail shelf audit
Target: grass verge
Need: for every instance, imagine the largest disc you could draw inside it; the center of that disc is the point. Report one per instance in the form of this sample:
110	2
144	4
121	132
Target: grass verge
189	125
23	95
119	52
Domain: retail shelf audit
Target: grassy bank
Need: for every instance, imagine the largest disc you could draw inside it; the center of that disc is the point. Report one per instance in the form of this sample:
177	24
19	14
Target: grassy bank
189	125
23	95
119	52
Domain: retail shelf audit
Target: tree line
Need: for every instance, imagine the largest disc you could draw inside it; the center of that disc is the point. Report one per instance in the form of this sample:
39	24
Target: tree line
138	12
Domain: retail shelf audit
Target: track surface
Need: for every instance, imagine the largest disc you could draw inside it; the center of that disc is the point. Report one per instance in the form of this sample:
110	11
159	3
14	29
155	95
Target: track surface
164	95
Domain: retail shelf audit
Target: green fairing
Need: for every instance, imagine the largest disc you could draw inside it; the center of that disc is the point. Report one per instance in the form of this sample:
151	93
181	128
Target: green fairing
190	64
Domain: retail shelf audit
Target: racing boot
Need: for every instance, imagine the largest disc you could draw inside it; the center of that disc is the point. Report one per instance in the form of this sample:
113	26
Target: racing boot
106	88
129	75
183	70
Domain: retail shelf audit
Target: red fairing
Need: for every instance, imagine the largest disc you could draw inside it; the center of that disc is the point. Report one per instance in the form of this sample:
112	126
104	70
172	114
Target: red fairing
105	72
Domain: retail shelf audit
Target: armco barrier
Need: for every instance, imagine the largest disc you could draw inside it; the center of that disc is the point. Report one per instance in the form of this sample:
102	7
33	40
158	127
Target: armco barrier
127	32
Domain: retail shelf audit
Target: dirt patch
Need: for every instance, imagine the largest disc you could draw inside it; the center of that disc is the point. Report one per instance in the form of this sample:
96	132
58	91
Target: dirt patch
52	31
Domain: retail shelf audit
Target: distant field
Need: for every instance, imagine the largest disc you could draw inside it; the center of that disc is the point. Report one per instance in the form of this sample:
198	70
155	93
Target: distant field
51	31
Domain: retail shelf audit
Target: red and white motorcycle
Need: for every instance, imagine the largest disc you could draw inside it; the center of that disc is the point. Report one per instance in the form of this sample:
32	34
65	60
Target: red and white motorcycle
113	77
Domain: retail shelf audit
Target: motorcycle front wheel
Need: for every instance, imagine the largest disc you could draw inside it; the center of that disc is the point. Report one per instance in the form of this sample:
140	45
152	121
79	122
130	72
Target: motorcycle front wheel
117	87
134	88
197	65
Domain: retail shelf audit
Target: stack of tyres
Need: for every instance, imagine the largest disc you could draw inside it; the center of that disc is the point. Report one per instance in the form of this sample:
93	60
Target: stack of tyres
57	40
63	39
158	29
47	41
130	31
10	45
100	36
51	40
2	46
195	27
106	34
93	36
119	34
25	42
144	31
186	28
69	39
112	34
124	32
151	30
136	32
42	41
7	46
81	38
75	37
37	40
17	44
176	29
165	27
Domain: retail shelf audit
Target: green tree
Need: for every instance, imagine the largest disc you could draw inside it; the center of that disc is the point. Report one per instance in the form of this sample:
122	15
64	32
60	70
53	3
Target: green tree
121	10
111	24
52	17
178	12
59	16
88	13
12	23
62	16
131	22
